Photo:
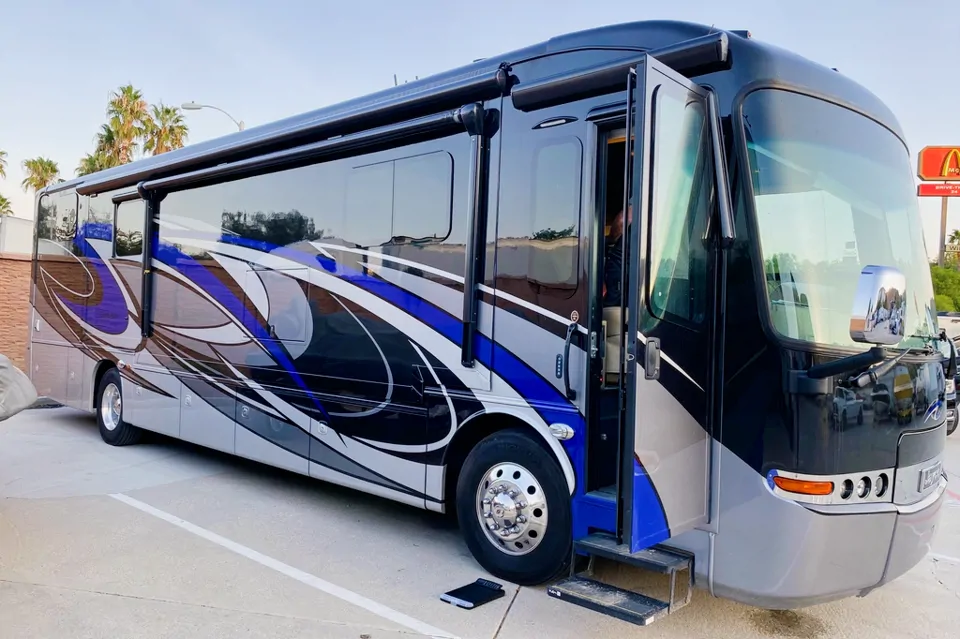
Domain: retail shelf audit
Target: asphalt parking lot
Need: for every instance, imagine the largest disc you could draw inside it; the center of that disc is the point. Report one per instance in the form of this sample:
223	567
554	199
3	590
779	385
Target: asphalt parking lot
165	539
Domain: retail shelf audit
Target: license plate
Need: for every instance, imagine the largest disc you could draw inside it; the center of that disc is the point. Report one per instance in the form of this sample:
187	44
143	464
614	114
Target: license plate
930	476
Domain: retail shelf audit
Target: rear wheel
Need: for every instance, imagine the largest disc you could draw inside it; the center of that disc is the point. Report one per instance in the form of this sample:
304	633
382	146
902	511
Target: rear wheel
953	426
514	509
113	429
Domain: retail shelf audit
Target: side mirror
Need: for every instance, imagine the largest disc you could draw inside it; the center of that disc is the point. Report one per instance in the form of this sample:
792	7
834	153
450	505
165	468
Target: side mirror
879	307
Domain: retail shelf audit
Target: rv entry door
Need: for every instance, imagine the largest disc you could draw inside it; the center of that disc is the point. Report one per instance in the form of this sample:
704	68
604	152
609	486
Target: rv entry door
669	197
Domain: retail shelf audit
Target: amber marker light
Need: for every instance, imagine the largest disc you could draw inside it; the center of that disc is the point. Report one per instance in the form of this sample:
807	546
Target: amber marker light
804	487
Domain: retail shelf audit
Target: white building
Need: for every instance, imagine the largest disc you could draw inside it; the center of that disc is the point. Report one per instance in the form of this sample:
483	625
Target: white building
16	235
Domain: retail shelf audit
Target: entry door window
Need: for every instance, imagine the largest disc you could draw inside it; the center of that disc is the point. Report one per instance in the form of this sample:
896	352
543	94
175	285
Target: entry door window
682	183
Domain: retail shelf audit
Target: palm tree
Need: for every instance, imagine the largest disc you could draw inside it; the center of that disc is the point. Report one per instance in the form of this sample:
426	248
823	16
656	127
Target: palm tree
41	173
954	237
105	155
6	208
3	164
128	116
165	130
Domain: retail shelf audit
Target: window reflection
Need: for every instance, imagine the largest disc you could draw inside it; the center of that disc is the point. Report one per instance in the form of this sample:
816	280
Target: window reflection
834	192
553	257
682	184
129	234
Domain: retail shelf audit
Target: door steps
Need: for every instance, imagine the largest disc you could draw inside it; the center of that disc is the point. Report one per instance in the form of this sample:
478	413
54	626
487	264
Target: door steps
581	589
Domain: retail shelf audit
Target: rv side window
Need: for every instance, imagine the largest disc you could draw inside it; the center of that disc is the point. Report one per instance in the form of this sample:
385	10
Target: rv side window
423	196
128	239
56	223
683	183
405	199
553	259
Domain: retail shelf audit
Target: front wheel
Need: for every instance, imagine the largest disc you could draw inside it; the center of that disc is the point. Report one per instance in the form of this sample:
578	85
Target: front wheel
514	509
953	426
113	429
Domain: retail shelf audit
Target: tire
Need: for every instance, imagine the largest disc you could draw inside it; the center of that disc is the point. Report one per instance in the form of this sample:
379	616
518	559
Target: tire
542	547
113	429
860	417
953	427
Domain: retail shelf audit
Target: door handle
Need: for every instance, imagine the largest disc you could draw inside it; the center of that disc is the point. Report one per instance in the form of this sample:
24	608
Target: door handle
651	356
571	331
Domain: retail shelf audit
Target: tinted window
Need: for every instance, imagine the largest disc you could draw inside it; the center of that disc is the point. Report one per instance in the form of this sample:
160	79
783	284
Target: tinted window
555	213
409	198
677	280
368	212
56	223
128	239
422	196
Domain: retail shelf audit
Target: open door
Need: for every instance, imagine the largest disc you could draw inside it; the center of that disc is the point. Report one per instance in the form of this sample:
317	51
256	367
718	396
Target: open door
670	271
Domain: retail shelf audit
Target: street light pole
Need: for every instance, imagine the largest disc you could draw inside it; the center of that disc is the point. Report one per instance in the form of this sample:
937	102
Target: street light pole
193	106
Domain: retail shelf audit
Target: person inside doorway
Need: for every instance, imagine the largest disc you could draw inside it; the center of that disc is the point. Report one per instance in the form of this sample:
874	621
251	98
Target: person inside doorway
613	259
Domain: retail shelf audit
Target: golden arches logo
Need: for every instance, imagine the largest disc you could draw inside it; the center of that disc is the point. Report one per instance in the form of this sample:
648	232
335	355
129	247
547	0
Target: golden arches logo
945	169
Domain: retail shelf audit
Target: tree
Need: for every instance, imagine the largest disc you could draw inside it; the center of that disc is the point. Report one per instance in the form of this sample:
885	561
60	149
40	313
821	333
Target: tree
41	173
165	129
128	115
3	164
133	124
6	208
954	237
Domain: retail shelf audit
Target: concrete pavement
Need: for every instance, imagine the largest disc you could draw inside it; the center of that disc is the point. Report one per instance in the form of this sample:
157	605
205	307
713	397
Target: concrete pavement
165	539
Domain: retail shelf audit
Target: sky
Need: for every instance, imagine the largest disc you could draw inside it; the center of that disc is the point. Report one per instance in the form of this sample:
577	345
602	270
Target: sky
263	60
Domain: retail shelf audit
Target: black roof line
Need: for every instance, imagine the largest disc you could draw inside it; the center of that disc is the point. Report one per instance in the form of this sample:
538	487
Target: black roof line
446	90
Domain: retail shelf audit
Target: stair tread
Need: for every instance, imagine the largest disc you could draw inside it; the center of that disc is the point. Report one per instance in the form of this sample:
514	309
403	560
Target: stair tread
655	558
600	597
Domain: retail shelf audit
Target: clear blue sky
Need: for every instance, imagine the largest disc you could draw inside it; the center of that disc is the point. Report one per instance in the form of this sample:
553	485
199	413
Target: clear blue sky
266	59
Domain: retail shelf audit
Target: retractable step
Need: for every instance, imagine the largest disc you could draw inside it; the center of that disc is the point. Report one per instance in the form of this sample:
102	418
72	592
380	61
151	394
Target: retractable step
583	590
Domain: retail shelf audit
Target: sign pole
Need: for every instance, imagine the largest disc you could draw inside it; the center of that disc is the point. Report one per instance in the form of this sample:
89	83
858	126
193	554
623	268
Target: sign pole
943	229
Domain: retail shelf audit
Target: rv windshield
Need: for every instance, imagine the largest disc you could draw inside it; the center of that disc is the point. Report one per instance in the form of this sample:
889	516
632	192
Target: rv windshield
834	192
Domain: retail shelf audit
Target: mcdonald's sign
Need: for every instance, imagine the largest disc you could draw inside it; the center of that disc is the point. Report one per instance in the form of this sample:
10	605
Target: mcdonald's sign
939	163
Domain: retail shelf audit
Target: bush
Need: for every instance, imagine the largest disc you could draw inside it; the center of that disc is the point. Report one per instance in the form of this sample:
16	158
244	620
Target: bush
944	304
946	286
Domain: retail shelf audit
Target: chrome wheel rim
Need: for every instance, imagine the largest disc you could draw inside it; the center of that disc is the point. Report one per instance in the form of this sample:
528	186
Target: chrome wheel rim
512	508
111	407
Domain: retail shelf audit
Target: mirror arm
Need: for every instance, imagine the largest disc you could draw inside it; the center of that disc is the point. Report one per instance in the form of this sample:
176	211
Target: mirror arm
846	364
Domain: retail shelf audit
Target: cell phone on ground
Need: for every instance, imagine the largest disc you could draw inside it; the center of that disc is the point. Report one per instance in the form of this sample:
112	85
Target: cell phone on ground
473	595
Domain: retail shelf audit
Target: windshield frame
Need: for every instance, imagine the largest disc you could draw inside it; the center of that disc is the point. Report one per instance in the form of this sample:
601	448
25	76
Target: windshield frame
749	208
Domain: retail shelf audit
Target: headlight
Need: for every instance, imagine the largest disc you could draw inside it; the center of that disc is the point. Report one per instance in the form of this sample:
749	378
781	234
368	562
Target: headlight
951	387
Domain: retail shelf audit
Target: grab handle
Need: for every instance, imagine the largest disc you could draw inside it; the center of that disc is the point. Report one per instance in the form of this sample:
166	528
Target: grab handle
571	331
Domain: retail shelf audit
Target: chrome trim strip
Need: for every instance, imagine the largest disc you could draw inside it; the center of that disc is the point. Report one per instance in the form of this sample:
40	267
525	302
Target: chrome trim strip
836	498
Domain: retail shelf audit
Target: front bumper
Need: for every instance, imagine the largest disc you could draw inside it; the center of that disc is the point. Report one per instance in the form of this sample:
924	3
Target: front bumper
817	554
913	534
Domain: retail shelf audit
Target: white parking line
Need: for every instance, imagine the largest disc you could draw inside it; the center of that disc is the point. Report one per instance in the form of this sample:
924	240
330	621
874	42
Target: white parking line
290	571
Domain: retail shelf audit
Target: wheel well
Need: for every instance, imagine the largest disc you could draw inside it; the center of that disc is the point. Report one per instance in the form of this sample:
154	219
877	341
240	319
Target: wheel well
102	367
468	436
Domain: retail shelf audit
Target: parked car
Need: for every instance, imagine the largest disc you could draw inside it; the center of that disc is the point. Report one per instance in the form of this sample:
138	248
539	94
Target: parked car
846	406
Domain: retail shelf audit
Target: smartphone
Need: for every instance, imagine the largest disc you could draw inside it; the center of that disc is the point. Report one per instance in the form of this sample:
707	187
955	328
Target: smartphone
473	595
